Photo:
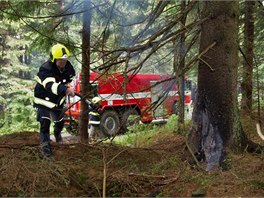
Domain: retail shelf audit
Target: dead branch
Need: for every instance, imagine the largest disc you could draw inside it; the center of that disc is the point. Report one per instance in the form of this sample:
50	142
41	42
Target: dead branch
151	41
105	164
196	58
259	131
74	180
24	146
170	180
193	156
17	146
144	175
153	16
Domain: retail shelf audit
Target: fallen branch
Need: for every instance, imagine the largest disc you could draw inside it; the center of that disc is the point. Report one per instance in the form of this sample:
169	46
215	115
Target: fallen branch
144	175
23	146
192	153
169	181
259	131
165	180
17	146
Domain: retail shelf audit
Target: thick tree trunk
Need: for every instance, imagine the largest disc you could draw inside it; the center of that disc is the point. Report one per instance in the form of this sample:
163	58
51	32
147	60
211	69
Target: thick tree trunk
246	102
85	73
215	117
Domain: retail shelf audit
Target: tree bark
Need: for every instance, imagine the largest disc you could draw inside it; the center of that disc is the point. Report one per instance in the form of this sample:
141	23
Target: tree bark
85	73
246	85
181	66
215	117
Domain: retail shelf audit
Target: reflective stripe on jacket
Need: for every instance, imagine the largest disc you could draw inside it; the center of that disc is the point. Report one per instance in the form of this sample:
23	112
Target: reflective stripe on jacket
94	117
51	85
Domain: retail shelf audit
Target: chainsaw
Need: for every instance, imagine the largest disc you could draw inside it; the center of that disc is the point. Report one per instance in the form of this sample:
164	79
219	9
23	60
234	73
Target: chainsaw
73	127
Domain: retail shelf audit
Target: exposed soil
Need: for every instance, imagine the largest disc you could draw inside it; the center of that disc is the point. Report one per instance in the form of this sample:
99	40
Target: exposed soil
157	170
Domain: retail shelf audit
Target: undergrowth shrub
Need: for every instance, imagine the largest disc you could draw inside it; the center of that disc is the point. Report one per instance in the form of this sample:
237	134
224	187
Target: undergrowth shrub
19	114
173	125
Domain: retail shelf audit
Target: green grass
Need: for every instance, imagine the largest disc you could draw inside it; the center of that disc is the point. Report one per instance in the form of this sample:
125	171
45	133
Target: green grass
137	136
141	135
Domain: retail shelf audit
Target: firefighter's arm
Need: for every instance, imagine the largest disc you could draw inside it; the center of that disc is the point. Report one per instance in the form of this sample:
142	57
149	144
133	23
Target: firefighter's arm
48	81
100	111
70	91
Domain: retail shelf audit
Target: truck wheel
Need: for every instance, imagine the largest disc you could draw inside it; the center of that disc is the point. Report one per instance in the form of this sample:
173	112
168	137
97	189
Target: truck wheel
147	122
110	124
129	118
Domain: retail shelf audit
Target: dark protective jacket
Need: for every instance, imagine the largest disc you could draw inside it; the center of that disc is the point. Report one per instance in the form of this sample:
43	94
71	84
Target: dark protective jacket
94	114
51	86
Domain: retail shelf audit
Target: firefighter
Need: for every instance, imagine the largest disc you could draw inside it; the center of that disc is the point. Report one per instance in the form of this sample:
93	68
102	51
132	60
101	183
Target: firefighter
94	119
50	93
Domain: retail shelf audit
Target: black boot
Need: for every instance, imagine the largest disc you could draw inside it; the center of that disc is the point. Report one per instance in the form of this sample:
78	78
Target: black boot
59	139
46	149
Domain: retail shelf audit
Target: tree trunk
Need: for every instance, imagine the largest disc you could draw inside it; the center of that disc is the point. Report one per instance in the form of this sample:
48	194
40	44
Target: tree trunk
85	73
215	117
246	102
181	66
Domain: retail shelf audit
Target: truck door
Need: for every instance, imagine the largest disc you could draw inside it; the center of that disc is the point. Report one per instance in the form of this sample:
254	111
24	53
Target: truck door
157	100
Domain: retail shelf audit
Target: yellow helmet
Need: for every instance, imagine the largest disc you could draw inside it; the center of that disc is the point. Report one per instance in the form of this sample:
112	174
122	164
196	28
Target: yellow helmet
96	100
59	51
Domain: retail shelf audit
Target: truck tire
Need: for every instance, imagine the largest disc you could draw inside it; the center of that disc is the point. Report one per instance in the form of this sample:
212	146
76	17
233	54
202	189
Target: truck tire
110	124
147	122
127	120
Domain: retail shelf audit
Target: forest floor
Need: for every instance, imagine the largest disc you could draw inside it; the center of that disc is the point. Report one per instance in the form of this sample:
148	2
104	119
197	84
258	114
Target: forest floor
158	169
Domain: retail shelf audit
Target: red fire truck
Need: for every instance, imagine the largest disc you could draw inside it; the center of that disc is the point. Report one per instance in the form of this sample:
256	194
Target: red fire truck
146	96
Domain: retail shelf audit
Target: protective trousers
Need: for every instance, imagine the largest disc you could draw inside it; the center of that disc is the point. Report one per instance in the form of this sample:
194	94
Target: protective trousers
44	117
93	131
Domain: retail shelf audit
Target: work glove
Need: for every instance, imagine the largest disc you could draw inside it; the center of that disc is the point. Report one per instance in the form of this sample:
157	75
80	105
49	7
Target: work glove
70	91
100	111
